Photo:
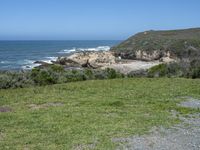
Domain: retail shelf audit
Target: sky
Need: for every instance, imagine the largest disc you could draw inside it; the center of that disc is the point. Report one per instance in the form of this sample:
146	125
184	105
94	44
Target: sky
93	19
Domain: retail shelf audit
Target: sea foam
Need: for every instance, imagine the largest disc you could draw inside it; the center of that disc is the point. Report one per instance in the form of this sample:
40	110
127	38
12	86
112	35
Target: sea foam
99	48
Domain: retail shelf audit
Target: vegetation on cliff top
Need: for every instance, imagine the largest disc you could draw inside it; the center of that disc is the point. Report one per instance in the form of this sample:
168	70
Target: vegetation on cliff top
181	43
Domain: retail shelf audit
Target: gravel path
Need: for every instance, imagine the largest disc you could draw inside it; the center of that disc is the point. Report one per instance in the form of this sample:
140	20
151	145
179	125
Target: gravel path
184	136
191	103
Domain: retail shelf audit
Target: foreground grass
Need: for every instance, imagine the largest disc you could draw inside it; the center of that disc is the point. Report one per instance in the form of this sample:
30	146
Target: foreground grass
92	112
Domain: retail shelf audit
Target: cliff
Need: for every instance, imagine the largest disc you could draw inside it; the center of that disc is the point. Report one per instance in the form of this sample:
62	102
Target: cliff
156	45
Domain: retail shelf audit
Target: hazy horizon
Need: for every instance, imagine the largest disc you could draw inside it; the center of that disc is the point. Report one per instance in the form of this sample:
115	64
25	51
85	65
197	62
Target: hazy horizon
93	20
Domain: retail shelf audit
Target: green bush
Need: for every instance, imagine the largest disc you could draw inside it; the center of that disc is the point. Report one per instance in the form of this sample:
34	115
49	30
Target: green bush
74	75
51	75
195	73
89	73
43	77
166	70
100	75
158	71
57	68
112	73
15	79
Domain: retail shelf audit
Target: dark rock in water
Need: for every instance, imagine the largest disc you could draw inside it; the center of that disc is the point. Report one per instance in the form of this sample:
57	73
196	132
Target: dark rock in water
41	62
54	62
28	67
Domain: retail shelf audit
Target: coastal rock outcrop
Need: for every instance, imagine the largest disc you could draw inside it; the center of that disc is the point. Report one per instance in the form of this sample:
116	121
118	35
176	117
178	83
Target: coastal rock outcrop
147	56
67	62
88	59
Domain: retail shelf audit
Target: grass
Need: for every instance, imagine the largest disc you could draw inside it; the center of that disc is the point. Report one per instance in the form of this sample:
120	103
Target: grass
92	114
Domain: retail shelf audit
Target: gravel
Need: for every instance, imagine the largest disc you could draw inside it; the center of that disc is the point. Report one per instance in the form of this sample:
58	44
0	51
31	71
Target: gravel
184	136
191	103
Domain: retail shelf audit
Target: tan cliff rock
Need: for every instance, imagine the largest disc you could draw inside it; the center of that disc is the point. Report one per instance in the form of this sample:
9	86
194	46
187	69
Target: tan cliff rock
143	55
96	59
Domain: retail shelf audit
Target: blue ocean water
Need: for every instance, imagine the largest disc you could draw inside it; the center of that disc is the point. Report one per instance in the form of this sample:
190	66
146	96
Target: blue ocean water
16	55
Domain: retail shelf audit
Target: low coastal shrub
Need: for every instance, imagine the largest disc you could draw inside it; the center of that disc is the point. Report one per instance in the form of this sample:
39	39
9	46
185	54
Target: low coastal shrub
167	70
176	69
43	77
53	74
195	73
11	79
158	71
56	74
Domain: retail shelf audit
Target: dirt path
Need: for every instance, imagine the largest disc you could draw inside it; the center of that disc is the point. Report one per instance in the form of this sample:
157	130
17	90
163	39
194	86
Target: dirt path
184	136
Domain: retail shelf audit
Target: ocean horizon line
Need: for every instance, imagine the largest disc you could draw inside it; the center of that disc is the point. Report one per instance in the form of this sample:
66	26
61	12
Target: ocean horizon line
61	40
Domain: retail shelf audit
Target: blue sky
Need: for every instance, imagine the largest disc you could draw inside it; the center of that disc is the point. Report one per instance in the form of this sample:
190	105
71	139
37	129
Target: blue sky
92	19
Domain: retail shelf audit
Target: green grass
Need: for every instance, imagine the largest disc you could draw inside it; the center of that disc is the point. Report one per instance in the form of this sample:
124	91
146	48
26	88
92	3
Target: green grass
94	112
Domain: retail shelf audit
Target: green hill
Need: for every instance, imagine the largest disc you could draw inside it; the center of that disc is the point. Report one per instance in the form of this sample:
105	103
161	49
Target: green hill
180	43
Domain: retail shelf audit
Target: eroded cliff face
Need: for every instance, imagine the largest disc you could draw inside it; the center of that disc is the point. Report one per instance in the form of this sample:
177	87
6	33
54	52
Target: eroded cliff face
143	55
154	45
147	56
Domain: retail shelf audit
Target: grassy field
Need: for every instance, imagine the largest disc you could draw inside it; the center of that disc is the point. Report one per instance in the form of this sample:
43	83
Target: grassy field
89	114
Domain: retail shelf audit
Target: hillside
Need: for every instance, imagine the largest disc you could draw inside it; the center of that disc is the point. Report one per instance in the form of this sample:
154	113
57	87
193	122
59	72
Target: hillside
151	45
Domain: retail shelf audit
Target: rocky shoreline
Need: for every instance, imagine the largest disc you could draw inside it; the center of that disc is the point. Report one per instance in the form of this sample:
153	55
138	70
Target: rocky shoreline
108	59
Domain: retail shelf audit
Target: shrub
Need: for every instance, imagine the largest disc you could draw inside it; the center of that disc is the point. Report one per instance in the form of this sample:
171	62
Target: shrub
43	77
166	70
51	75
111	73
89	73
100	75
74	75
158	71
15	79
57	68
195	73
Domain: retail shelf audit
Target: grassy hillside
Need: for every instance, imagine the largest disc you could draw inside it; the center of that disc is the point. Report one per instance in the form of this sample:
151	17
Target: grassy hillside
89	114
181	43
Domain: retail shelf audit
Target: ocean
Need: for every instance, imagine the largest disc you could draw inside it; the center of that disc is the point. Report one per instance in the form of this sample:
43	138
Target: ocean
18	55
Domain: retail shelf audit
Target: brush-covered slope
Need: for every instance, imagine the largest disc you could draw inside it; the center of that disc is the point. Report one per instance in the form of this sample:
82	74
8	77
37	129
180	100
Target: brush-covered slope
150	45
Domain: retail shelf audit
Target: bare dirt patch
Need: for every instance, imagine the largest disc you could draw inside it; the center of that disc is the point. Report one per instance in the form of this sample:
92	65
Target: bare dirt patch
45	105
90	146
84	147
134	65
2	135
5	109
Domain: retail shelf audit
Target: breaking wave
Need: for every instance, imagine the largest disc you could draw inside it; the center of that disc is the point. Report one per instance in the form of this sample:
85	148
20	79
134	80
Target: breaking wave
99	48
30	64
